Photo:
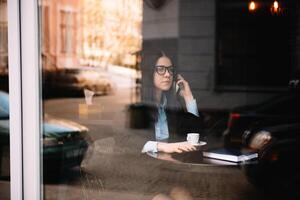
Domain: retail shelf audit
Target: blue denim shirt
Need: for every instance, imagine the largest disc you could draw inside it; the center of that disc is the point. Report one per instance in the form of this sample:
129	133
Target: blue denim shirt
161	125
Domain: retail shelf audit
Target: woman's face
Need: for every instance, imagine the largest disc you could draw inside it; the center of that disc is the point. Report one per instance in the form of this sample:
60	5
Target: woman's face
163	81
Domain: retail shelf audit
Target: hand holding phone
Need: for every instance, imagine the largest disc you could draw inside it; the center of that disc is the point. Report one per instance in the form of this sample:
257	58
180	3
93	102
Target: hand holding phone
183	89
179	85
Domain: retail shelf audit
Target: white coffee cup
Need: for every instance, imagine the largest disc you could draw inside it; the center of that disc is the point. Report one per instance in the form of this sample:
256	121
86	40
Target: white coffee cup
193	138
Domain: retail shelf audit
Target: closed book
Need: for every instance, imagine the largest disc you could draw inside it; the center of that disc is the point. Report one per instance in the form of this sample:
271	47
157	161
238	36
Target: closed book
233	155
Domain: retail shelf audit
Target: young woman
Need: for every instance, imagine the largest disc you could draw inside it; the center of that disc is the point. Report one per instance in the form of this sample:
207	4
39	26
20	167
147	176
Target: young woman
169	90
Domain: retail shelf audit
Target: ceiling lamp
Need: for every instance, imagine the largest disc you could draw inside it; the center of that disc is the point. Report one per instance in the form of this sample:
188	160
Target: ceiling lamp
275	8
252	6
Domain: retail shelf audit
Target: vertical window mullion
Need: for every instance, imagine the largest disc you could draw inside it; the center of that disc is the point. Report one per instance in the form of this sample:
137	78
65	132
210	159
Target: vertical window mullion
14	59
31	100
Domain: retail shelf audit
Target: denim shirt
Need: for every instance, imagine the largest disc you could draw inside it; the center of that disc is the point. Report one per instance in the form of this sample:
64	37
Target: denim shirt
161	125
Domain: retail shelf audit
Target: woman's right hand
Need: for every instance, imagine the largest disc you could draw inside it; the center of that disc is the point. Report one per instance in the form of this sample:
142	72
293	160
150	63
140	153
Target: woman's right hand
185	91
177	147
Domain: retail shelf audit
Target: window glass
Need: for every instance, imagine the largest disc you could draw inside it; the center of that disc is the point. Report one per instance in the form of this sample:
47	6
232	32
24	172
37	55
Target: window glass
135	92
245	55
282	106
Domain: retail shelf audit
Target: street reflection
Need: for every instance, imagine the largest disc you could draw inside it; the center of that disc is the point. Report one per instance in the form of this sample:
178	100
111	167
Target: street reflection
114	70
114	168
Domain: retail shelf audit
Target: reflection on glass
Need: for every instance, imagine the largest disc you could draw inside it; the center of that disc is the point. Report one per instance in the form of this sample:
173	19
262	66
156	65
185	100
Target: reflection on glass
252	6
4	106
91	72
112	106
275	8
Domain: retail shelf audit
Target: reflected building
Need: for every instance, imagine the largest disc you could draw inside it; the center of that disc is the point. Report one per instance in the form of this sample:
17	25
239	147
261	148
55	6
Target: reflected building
88	32
230	53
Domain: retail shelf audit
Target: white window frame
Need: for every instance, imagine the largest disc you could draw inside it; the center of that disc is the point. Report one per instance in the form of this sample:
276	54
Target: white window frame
15	118
25	100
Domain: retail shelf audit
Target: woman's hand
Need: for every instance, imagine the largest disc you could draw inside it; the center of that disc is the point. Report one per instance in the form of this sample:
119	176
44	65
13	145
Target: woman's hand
185	91
177	147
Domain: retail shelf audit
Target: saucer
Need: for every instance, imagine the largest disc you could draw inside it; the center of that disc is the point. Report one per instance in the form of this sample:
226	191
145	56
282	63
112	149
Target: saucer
201	143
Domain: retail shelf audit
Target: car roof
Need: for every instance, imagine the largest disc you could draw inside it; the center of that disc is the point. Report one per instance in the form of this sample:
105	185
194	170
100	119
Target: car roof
49	129
52	127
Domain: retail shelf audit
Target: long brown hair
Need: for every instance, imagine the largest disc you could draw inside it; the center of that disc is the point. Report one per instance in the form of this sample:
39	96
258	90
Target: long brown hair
172	97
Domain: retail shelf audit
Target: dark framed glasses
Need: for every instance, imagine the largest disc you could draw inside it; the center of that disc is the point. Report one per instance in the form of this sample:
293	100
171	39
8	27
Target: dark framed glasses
161	70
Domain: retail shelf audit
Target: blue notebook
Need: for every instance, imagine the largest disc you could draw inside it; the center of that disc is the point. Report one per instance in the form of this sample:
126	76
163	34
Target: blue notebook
232	155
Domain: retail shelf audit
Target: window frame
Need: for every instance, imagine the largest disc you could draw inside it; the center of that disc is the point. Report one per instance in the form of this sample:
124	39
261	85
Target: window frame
25	100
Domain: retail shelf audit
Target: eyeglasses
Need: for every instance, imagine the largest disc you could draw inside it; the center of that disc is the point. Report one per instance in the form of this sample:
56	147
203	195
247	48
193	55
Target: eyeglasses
161	70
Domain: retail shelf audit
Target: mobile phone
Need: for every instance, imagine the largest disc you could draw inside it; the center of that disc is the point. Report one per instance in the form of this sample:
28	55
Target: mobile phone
178	86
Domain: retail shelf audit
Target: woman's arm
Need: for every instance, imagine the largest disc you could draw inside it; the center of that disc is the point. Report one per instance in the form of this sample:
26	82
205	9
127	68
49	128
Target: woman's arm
191	107
177	147
186	94
150	146
185	91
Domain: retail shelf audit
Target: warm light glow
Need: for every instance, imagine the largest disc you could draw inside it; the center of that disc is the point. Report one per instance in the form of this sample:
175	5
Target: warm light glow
275	7
252	6
111	30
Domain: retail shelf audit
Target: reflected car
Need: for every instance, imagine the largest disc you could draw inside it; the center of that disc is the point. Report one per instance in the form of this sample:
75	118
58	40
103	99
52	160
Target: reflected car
64	142
282	109
277	170
73	81
272	129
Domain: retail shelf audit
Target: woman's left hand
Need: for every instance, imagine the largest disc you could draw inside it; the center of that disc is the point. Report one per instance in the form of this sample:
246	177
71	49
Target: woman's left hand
185	91
177	147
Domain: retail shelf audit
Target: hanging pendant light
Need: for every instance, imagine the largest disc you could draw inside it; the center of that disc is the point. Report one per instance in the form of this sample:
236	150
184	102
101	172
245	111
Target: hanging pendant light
275	8
252	6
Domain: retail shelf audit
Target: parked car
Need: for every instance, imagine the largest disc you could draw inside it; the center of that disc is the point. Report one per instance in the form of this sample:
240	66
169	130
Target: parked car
281	109
277	170
272	129
64	142
73	81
